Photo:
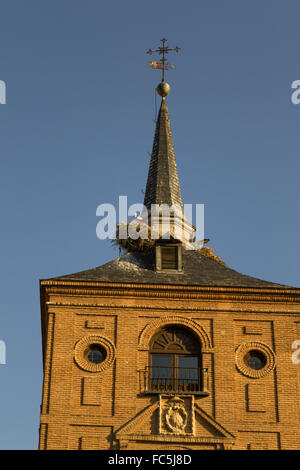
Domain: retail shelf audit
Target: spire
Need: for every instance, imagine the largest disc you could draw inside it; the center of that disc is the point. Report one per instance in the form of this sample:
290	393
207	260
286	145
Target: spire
163	188
163	184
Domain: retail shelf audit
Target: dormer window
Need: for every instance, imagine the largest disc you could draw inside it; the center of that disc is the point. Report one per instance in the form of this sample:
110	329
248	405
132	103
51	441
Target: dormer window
169	258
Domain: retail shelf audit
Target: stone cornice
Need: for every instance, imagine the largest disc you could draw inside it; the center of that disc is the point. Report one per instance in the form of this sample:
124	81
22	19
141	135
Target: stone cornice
58	282
182	440
171	291
110	308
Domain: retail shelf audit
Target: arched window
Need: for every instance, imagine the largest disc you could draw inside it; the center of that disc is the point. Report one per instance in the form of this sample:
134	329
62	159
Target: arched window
175	361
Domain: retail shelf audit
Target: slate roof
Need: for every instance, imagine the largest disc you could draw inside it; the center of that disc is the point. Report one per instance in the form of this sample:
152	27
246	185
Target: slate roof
198	271
163	184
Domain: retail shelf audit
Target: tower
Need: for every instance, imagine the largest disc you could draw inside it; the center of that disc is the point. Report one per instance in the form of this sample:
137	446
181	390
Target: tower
166	347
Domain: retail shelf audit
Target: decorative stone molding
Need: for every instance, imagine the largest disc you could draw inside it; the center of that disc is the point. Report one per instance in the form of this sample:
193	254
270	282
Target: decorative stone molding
174	447
241	353
176	415
82	346
154	326
164	291
111	307
181	433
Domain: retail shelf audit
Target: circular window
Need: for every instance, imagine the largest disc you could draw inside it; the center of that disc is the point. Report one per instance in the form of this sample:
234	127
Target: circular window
254	360
94	353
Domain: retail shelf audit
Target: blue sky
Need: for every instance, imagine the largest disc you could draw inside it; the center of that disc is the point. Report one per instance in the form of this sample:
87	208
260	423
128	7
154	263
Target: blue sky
77	128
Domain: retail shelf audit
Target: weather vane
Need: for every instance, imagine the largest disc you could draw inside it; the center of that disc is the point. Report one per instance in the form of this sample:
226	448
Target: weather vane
162	64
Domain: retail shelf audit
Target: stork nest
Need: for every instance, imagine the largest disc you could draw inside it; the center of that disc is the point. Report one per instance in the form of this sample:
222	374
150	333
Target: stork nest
133	245
210	253
147	244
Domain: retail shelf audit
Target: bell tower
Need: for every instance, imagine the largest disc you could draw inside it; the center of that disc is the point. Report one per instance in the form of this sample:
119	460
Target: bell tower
166	347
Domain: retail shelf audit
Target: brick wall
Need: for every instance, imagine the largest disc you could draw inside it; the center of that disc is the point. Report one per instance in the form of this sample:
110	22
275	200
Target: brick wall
105	408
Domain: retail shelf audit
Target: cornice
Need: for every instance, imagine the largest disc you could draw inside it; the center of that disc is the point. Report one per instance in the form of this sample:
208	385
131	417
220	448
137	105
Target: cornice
170	291
158	309
171	438
53	282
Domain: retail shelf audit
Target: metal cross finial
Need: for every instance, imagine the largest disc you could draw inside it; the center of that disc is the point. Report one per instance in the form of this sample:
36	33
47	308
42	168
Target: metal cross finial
162	64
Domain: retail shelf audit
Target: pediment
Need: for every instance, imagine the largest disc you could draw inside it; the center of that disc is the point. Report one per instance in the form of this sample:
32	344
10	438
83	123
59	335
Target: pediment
176	420
207	424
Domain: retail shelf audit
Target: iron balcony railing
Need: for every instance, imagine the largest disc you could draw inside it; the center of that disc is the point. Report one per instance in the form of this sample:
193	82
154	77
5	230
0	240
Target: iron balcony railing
174	380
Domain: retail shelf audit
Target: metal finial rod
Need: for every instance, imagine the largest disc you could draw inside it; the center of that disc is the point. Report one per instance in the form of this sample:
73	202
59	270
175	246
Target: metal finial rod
163	64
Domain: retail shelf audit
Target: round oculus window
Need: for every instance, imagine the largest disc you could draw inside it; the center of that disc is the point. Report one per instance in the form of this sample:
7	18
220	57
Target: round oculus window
256	360
95	354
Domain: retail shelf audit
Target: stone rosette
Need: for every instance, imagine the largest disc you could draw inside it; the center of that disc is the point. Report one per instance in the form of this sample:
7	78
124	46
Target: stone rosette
81	349
241	354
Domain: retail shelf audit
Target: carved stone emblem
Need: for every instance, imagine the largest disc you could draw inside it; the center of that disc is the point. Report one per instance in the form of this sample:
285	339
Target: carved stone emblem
176	415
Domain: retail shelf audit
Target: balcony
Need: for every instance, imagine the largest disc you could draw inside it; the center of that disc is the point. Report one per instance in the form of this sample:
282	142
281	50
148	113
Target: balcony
181	380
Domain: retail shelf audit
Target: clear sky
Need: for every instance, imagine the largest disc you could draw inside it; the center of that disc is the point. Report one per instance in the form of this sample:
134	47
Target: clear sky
77	129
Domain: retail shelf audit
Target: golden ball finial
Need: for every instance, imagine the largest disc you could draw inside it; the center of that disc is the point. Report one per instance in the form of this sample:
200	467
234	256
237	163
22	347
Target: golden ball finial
163	89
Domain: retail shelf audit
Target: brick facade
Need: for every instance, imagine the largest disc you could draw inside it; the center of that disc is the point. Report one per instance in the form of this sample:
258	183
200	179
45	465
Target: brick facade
134	315
106	407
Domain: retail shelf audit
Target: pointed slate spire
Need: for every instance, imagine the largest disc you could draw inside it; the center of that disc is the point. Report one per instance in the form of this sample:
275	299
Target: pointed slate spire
163	184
